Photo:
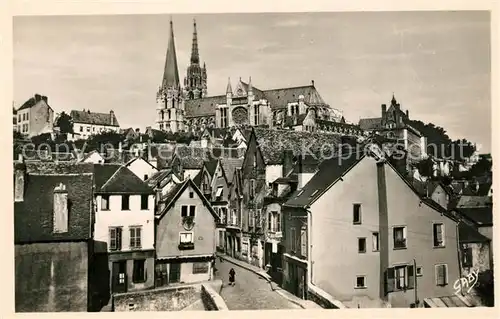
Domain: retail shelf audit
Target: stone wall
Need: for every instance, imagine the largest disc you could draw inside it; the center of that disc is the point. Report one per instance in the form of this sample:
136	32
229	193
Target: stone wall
211	299
324	301
163	299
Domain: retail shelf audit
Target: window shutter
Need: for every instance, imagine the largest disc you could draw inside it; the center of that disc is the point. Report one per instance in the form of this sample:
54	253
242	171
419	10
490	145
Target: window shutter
440	274
411	277
389	280
445	274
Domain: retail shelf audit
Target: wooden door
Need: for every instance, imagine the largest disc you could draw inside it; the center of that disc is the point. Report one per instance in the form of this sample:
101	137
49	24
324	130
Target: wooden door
175	273
120	276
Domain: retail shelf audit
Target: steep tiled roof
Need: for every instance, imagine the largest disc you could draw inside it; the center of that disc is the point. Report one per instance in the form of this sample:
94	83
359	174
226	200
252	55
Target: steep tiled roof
272	143
122	181
33	218
177	190
197	179
329	172
158	177
211	165
482	216
203	107
33	101
87	117
370	123
229	165
468	234
466	201
35	155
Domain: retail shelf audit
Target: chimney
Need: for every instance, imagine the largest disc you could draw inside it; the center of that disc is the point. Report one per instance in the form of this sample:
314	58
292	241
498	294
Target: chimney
19	182
38	97
60	209
407	114
45	99
287	163
112	117
312	82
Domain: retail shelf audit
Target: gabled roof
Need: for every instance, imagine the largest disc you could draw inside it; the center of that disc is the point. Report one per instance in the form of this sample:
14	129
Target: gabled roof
115	179
211	166
468	234
139	157
481	216
87	117
33	218
229	165
330	171
158	177
177	190
369	124
272	143
197	178
204	106
33	101
88	155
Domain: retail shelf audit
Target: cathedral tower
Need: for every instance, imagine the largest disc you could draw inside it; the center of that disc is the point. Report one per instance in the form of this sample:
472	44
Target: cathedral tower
169	99
195	82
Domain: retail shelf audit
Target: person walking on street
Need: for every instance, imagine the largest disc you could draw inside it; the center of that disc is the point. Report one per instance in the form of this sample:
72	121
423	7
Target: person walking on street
232	273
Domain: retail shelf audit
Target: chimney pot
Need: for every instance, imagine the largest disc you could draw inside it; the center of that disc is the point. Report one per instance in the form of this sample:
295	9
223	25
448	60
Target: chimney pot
312	82
45	99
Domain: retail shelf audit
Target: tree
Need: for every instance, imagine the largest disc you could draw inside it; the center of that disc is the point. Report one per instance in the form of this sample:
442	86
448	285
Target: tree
460	150
65	123
426	167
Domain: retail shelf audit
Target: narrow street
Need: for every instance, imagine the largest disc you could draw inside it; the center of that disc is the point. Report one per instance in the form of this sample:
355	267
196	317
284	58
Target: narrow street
250	292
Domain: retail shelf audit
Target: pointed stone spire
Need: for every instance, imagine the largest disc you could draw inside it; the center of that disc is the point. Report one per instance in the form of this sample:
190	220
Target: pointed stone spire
229	89
195	56
171	72
250	88
393	101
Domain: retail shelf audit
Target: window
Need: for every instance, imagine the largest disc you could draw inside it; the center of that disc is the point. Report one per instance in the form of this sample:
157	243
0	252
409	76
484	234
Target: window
105	202
223	117
125	202
467	257
146	176
375	241
144	202
419	272
255	159
303	241
278	221
115	238
88	128
184	211
27	116
441	275
81	128
438	235
399	235
356	213
191	194
360	282
252	188
186	238
270	221
139	272
293	239
192	210
399	278
251	218
200	268
218	194
135	237
256	115
361	245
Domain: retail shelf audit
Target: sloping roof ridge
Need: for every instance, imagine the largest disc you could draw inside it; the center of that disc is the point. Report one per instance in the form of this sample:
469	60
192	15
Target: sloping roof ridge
112	176
290	88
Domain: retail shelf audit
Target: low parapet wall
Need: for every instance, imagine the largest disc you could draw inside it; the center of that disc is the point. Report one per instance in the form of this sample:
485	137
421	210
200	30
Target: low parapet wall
163	299
211	299
324	300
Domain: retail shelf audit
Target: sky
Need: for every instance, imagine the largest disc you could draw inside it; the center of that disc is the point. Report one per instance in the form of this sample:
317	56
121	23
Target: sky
437	64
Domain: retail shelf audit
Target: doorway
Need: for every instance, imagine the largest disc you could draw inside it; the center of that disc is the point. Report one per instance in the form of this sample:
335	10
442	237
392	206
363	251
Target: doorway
119	276
175	272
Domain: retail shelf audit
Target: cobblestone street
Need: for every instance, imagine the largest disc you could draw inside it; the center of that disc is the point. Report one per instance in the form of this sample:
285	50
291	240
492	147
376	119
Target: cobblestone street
250	292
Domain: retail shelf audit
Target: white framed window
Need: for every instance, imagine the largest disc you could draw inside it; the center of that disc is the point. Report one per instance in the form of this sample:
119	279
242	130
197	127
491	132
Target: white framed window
188	210
399	237
375	241
356	214
419	271
441	272
104	202
186	237
135	237
360	282
219	192
438	234
115	238
362	245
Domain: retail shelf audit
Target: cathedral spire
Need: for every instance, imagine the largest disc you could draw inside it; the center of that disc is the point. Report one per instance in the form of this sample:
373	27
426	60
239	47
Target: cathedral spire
229	89
195	56
250	88
171	72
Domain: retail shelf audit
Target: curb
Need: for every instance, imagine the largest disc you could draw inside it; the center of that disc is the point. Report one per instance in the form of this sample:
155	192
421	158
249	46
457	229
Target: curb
265	276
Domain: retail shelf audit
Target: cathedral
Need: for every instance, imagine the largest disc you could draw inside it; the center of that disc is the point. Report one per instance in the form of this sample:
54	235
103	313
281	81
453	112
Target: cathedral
190	108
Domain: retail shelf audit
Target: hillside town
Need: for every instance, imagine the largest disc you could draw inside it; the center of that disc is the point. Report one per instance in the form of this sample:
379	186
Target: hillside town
274	186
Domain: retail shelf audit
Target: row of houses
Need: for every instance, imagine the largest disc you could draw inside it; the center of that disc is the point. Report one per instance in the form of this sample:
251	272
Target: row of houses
356	229
279	203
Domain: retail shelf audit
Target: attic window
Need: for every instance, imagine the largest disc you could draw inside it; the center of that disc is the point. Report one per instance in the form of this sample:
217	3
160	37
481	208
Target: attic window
300	193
